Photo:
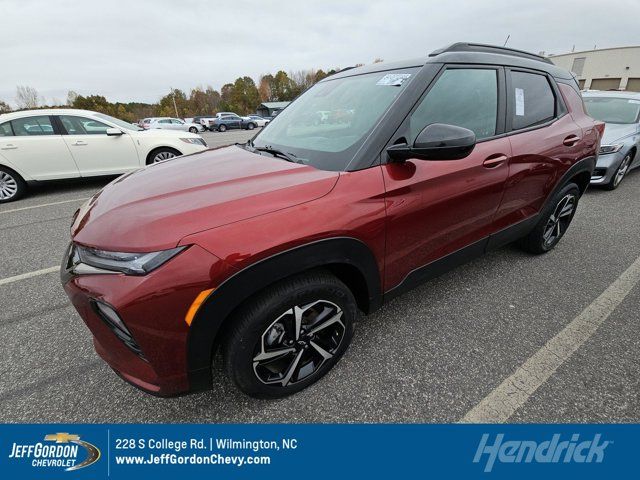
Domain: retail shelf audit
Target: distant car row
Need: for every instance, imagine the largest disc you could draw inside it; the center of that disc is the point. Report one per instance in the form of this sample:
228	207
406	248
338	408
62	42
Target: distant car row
219	122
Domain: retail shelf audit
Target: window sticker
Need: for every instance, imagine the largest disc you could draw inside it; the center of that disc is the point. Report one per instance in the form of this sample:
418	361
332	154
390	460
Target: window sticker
393	79
519	102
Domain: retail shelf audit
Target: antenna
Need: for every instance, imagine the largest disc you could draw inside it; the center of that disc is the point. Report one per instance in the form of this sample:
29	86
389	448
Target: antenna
505	42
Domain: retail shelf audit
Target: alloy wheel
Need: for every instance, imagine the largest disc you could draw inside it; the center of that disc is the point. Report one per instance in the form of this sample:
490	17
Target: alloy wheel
622	170
8	186
164	155
559	220
297	343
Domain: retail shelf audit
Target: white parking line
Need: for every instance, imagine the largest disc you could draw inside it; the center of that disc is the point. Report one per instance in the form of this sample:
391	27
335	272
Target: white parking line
24	276
44	205
511	394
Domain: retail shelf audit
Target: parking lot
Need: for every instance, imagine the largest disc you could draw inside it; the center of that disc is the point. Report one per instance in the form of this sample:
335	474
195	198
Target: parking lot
431	355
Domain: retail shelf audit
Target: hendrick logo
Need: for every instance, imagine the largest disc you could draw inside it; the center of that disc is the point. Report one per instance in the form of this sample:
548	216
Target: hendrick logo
549	451
65	452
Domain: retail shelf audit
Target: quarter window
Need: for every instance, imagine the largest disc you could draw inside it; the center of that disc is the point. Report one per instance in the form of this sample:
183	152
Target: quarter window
463	97
5	130
83	126
32	126
533	100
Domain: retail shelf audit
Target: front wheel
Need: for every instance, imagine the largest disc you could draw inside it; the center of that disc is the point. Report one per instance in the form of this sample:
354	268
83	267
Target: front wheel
554	221
222	128
290	335
621	171
161	154
251	126
193	130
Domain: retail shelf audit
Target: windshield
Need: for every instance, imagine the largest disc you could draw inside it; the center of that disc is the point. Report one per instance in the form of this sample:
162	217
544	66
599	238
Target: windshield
327	125
118	122
613	109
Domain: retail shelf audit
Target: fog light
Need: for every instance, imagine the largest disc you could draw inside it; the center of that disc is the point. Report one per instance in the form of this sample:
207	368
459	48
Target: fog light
117	326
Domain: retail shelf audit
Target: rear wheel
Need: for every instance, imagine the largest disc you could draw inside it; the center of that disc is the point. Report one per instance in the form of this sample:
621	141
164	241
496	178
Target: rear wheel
222	128
251	126
621	171
290	335
12	186
554	221
161	154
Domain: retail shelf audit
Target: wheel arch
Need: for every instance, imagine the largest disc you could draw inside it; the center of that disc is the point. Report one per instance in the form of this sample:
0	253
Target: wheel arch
579	173
347	258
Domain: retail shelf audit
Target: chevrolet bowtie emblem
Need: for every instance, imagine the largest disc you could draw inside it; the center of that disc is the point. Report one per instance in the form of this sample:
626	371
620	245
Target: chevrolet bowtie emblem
61	437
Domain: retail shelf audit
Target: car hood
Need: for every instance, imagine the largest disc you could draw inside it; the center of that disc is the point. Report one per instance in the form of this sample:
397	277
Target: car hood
154	208
158	132
616	131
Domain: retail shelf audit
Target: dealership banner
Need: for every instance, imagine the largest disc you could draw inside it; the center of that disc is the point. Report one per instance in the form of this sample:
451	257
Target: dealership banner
317	451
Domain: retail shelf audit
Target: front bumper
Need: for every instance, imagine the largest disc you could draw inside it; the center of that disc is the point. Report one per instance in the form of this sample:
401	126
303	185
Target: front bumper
153	308
606	167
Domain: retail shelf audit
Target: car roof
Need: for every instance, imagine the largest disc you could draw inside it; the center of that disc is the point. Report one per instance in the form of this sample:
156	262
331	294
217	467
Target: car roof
45	111
467	53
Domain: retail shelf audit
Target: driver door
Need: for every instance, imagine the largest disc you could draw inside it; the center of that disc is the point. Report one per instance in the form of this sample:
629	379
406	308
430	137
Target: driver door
444	209
95	152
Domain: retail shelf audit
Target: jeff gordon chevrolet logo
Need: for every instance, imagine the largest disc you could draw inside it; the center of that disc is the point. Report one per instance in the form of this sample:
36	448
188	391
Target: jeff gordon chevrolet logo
61	450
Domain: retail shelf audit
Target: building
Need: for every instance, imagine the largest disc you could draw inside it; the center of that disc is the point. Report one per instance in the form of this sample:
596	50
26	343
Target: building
270	109
605	69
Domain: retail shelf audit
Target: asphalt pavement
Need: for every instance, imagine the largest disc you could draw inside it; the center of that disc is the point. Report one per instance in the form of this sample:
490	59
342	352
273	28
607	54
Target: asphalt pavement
431	355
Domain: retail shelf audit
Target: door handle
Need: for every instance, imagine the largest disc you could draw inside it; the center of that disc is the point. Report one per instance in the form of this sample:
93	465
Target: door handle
79	143
495	160
8	146
571	140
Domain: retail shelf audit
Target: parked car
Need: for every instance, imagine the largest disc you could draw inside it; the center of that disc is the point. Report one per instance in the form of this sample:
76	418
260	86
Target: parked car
168	123
204	120
259	121
229	122
266	250
145	122
619	150
38	145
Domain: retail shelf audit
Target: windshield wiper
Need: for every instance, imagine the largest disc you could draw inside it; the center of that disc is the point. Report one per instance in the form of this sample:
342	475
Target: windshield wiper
290	157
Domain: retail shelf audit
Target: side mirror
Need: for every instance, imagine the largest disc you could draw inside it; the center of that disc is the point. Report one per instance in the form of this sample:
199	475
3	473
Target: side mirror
437	141
114	132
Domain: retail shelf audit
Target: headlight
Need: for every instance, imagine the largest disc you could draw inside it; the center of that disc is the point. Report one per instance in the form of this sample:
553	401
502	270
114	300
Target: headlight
129	263
194	141
604	149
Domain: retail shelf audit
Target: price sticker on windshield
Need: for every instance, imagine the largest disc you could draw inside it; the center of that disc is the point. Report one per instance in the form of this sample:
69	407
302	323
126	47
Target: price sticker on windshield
393	79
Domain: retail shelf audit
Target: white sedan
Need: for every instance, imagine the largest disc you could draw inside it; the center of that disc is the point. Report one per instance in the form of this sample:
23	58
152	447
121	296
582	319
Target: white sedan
168	123
39	145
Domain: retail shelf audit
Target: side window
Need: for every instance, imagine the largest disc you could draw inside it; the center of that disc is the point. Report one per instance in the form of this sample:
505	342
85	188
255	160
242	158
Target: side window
533	100
32	126
463	97
176	122
5	130
83	126
164	121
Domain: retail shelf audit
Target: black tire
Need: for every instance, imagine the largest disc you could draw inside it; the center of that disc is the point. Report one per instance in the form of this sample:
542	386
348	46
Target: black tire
255	323
251	126
619	174
555	215
222	128
12	185
167	152
193	129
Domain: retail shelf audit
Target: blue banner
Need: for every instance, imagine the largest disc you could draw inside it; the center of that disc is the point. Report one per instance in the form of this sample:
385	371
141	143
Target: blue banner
318	451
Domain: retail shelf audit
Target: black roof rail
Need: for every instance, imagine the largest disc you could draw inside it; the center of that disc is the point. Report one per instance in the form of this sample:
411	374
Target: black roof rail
480	47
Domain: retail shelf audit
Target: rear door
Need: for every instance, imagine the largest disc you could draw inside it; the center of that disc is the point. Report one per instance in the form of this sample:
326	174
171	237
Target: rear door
95	152
545	142
36	149
435	208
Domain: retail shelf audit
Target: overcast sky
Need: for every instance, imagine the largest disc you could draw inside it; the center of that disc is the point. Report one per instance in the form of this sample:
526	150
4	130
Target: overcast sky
138	49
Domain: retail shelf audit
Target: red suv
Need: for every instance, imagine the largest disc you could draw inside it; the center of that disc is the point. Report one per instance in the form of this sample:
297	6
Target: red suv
266	251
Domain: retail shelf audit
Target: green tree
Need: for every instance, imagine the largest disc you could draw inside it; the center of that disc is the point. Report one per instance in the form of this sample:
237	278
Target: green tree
166	106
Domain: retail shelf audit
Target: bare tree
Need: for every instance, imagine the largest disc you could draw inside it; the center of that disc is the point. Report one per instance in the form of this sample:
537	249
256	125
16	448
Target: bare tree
71	97
4	108
27	97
